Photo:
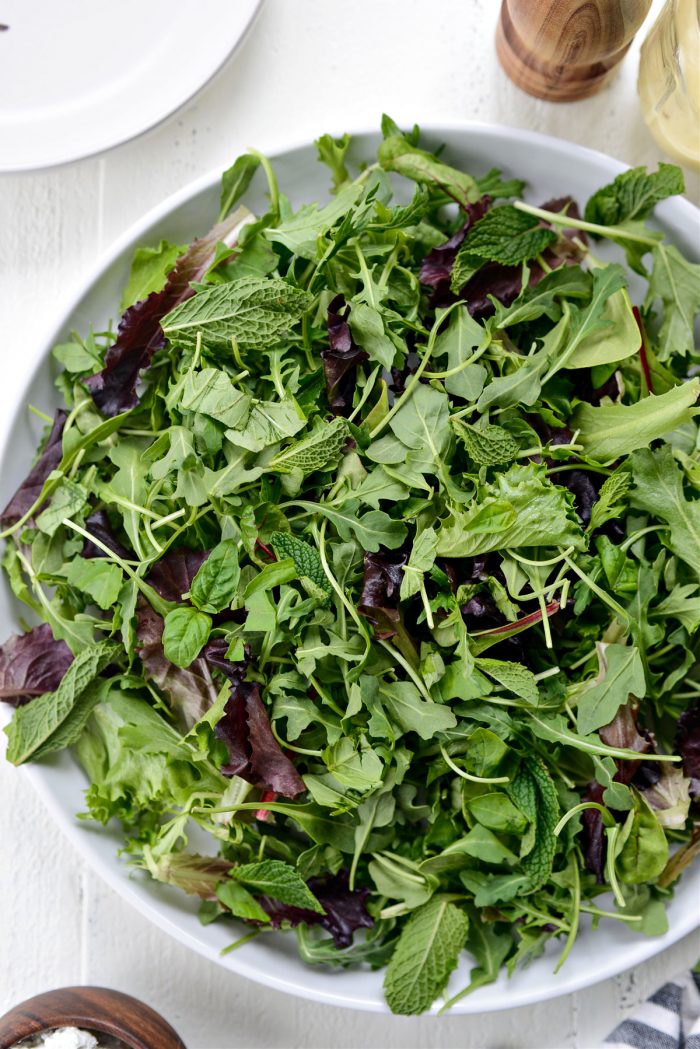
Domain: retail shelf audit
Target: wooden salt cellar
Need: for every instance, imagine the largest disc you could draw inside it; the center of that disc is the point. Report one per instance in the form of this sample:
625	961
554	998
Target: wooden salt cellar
562	50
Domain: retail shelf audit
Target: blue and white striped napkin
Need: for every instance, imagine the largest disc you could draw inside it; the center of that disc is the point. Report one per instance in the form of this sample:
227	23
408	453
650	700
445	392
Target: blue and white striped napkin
670	1019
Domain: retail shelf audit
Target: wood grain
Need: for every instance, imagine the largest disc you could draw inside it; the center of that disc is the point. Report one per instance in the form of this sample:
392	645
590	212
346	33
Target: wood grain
562	50
96	1009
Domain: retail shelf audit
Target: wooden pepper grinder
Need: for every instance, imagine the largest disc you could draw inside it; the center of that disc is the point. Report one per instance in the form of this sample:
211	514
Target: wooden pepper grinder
562	50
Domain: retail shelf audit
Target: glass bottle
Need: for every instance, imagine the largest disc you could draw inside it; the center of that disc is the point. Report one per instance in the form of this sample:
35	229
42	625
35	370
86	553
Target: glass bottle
669	81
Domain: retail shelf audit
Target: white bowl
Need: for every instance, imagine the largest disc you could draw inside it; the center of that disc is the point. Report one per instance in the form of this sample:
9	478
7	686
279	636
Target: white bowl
552	168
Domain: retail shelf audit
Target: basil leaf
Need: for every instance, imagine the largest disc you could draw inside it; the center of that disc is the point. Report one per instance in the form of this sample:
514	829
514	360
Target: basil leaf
215	585
184	635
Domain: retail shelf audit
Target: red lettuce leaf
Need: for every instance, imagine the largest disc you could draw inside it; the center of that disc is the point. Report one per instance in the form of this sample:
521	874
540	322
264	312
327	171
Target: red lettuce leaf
341	358
32	664
254	753
345	908
30	488
190	692
381	589
139	334
688	746
99	525
172	576
436	268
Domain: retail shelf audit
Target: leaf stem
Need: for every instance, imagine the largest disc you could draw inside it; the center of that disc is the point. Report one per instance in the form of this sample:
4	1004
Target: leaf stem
559	219
416	377
467	775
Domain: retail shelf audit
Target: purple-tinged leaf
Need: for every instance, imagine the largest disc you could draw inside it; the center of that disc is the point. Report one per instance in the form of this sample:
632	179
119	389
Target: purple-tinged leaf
341	358
172	576
688	746
98	524
254	753
139	334
190	692
30	488
32	664
345	909
436	268
381	589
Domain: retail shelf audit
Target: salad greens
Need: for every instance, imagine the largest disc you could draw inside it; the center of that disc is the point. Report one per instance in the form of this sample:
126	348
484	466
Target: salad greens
370	544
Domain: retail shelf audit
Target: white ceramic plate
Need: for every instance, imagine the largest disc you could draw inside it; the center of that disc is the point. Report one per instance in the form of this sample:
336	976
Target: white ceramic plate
552	168
80	76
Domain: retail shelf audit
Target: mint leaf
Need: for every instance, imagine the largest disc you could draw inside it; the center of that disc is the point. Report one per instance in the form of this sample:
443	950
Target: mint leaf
425	955
253	311
305	557
184	635
35	727
613	430
505	235
486	445
279	880
320	449
621	675
633	195
534	793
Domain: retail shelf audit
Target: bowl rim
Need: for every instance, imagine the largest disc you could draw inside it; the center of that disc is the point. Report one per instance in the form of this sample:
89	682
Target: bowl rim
680	209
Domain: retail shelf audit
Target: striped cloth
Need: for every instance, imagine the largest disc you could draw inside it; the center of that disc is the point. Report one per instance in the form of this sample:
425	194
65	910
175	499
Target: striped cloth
670	1019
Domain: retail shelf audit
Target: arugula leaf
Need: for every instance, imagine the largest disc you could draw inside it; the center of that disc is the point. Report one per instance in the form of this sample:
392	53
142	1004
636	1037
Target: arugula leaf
425	955
101	580
676	283
333	152
235	181
610	499
658	490
611	431
149	270
621	675
396	153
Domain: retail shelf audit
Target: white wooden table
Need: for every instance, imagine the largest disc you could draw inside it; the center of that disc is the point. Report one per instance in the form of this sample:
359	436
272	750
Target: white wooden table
307	66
